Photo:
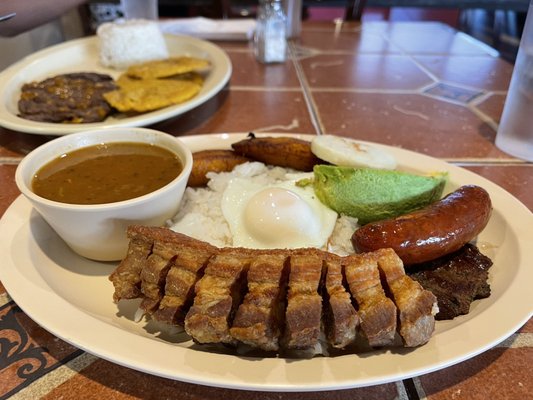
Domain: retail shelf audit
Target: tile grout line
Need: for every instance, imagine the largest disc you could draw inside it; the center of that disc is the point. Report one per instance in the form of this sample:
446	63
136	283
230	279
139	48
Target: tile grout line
517	341
489	162
265	89
402	391
405	53
419	389
311	106
10	160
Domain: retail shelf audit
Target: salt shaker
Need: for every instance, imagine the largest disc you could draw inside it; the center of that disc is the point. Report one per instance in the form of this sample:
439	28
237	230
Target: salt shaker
270	39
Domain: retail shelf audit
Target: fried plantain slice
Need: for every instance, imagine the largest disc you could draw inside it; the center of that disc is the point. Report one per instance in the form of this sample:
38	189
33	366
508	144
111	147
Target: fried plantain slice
142	95
167	67
125	81
285	152
212	161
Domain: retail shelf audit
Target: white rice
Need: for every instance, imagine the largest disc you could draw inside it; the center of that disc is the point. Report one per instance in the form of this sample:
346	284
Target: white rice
200	215
124	43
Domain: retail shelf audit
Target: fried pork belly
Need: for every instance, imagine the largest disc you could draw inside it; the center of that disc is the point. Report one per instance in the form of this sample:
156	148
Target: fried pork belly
416	306
126	277
259	319
376	310
188	267
154	274
273	300
217	296
304	304
341	319
162	260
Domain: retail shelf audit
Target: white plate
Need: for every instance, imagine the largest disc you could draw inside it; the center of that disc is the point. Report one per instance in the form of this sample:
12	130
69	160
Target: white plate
72	298
82	55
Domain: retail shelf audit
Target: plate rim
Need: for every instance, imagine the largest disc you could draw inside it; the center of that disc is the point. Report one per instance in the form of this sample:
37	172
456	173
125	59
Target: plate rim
489	339
10	121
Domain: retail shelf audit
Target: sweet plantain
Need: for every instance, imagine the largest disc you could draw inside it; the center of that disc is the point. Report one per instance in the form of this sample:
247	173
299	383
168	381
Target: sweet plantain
279	151
212	161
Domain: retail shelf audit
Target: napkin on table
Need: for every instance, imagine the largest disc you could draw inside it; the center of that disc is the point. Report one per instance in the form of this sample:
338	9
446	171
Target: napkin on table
210	29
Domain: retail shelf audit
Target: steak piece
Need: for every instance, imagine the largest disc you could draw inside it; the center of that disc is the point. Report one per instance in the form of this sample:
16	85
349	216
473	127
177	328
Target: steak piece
72	98
456	280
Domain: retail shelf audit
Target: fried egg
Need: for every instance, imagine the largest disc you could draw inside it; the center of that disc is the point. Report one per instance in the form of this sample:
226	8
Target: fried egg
280	215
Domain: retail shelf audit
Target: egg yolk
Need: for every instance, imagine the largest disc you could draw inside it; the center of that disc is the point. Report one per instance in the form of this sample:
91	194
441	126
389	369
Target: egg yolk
274	215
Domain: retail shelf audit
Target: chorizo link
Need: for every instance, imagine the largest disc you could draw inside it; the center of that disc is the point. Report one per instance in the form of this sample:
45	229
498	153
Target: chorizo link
426	234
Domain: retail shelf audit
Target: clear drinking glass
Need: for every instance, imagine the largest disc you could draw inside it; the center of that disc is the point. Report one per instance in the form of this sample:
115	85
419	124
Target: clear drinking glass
515	133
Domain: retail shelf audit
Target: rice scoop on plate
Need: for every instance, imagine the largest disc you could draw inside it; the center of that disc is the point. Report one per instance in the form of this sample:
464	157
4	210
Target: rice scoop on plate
126	43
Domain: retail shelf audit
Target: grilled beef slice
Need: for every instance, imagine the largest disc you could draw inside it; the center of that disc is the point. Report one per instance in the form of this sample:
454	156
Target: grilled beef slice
72	98
456	280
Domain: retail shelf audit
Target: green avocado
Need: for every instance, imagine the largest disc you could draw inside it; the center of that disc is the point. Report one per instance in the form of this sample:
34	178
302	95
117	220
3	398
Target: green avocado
375	194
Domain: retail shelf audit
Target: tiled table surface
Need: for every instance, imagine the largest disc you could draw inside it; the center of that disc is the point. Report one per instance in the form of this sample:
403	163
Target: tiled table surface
419	86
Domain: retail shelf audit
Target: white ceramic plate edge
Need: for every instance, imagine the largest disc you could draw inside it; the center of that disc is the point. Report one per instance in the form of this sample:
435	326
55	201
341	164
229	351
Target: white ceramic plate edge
221	72
486	329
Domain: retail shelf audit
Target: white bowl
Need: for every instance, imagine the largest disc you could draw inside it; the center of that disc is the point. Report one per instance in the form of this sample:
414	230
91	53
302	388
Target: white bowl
98	231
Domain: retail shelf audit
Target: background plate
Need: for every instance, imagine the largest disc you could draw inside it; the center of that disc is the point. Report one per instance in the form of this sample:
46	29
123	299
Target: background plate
72	298
82	55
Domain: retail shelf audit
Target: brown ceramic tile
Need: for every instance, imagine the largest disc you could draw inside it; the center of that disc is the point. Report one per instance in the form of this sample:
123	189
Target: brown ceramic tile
347	39
484	72
30	351
9	191
433	38
492	106
516	179
496	374
247	71
413	122
105	380
363	71
237	111
235	45
528	327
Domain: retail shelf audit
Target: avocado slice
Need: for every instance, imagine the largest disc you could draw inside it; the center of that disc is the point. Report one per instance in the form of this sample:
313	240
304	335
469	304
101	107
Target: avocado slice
375	194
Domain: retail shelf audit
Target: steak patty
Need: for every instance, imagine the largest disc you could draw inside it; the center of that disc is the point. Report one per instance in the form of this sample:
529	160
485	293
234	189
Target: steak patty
71	98
456	280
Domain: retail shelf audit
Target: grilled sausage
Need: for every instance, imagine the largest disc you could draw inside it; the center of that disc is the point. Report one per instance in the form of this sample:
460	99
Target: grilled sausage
426	234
